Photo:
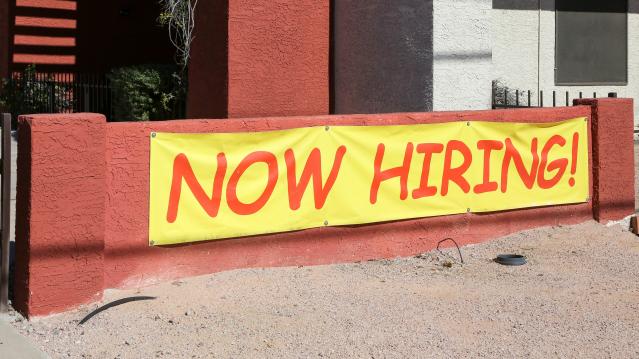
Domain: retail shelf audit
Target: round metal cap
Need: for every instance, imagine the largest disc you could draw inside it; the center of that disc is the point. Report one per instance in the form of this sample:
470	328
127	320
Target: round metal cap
511	259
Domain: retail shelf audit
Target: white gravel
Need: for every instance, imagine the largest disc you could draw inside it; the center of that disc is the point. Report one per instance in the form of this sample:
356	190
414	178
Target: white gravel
577	297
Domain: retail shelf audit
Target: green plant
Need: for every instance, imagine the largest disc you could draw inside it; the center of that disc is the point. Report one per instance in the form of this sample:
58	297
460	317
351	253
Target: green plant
29	92
147	92
503	94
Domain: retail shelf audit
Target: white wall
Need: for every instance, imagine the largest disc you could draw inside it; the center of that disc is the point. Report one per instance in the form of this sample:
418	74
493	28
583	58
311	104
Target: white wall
515	48
524	54
462	56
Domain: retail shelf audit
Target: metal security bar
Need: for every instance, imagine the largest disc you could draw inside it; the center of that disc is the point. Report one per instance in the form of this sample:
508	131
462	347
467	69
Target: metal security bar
26	92
29	92
5	212
508	98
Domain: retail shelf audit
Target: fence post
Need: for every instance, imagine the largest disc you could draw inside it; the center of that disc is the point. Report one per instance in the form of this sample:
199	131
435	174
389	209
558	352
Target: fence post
51	97
6	212
494	96
85	98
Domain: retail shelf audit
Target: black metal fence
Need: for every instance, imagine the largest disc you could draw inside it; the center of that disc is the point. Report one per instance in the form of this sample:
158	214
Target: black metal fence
508	98
25	93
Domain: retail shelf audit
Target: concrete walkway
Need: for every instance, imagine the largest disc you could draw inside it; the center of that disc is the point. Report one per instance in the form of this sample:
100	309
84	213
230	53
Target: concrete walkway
14	345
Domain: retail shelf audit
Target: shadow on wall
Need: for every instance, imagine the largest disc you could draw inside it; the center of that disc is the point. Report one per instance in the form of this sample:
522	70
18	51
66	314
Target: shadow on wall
86	36
382	56
44	33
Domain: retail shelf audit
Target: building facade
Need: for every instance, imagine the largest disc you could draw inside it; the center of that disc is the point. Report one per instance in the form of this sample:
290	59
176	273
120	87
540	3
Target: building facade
567	46
452	52
304	57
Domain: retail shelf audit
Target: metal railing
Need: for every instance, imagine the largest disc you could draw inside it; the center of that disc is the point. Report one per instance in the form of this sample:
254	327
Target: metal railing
508	98
56	93
26	93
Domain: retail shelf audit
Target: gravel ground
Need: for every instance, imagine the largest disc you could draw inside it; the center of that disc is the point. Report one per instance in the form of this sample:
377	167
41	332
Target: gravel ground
577	297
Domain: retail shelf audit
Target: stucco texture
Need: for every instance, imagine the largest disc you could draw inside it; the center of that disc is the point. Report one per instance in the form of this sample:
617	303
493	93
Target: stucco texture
614	168
60	212
277	58
260	58
462	55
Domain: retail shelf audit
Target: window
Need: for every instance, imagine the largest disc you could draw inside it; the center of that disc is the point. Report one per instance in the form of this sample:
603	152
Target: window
591	42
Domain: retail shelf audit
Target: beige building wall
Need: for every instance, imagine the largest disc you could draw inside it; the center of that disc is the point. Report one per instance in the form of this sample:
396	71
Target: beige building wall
523	53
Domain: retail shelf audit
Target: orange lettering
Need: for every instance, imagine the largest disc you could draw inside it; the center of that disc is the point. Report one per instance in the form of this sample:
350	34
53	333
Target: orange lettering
512	155
313	168
182	170
487	146
456	174
559	165
231	190
401	172
428	149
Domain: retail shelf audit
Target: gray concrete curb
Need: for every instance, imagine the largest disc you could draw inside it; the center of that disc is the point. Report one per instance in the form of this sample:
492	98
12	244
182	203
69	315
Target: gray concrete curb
14	345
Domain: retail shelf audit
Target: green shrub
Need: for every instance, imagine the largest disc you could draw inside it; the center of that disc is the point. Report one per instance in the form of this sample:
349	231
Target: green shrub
28	93
147	92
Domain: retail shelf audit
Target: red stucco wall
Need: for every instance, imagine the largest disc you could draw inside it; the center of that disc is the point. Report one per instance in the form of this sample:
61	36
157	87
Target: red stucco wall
278	58
614	172
73	166
208	66
59	212
275	59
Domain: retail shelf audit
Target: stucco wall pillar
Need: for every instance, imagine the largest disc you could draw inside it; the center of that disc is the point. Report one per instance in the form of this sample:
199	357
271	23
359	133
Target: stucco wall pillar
60	212
270	60
612	157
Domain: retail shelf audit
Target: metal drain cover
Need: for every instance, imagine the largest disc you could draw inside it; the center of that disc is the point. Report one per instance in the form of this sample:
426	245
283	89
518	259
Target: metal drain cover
511	259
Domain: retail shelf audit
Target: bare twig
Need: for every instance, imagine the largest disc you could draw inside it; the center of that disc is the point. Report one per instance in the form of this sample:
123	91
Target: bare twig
179	17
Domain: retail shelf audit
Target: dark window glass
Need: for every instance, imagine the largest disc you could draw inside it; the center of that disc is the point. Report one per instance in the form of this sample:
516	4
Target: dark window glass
591	42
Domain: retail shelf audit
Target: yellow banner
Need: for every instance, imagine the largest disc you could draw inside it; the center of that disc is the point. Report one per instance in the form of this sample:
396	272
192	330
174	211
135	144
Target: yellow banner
222	185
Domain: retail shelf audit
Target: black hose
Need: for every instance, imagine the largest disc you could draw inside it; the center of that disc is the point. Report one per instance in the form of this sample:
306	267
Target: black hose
456	245
113	304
